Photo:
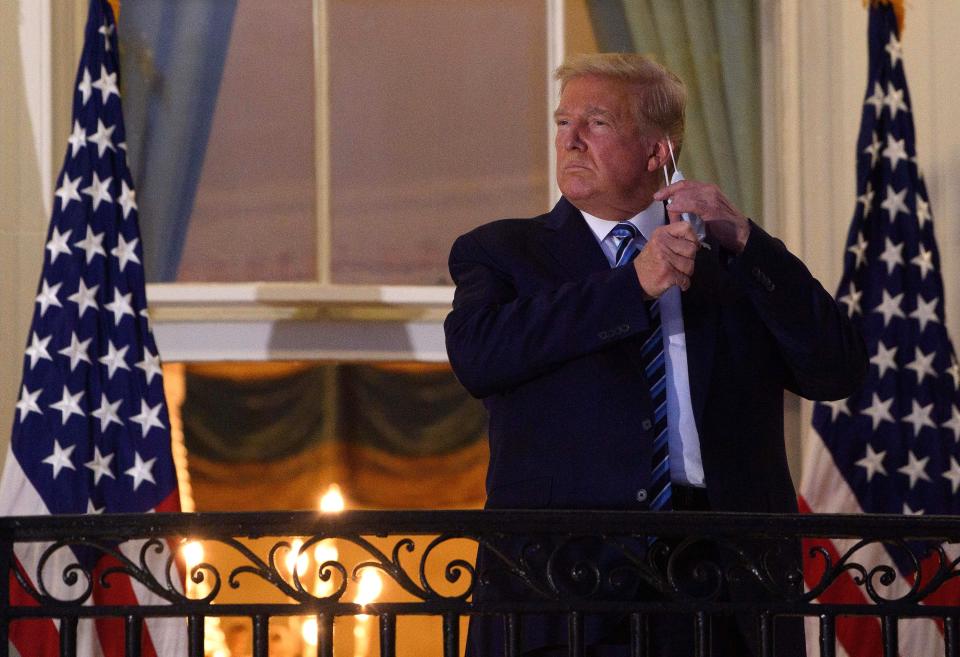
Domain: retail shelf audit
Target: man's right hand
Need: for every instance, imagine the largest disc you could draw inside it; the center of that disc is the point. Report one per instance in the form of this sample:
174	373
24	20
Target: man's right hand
668	258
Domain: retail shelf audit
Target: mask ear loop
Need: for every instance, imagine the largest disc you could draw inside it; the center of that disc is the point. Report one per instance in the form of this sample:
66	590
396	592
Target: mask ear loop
666	177
672	158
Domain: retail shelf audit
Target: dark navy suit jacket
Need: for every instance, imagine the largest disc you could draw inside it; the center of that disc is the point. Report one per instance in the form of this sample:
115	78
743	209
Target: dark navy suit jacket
548	335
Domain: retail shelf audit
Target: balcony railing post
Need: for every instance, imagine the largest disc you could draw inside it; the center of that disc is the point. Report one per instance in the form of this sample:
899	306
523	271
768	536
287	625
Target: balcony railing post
511	635
575	633
639	634
951	636
701	634
766	635
195	635
68	636
388	635
325	634
890	637
451	635
261	635
133	632
828	636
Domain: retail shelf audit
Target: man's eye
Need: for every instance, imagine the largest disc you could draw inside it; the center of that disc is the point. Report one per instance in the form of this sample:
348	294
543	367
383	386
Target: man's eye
561	122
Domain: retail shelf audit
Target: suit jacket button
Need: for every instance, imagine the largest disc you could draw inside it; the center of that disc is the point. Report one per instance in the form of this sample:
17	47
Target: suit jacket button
642	495
646	425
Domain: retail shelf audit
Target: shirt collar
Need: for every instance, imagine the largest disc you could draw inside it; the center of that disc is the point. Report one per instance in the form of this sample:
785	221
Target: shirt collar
646	221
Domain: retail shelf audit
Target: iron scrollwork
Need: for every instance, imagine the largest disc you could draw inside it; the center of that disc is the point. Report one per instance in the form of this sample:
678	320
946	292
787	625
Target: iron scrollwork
567	565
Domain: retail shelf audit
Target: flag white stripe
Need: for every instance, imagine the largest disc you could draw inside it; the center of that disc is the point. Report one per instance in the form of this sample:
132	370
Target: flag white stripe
168	634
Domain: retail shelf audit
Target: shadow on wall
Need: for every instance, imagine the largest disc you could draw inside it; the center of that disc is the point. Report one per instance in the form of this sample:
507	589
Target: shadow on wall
22	213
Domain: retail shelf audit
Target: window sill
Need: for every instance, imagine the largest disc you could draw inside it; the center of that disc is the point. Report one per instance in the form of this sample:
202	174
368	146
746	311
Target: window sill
196	322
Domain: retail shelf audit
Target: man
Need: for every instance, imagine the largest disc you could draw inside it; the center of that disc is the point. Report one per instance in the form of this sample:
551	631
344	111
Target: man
550	332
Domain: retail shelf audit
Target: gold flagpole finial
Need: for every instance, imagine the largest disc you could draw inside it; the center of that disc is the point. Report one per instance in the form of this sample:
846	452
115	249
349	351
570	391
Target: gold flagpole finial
899	10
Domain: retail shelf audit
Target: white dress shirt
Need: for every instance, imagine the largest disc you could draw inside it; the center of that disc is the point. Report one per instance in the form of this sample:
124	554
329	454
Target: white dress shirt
686	465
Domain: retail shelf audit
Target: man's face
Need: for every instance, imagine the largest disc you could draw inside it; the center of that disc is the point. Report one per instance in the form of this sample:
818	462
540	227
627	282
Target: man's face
605	166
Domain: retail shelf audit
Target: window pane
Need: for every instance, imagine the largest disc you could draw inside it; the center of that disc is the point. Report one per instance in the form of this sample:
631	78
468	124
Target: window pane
255	215
438	123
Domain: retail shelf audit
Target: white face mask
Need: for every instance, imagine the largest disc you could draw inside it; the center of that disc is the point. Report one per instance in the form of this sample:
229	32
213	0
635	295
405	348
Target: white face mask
696	222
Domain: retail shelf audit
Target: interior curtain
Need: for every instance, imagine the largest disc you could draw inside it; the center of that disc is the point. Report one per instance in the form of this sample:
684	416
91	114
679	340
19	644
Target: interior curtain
713	45
390	435
172	57
417	410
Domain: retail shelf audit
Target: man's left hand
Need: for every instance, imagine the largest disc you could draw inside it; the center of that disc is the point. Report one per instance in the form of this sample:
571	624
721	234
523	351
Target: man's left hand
723	221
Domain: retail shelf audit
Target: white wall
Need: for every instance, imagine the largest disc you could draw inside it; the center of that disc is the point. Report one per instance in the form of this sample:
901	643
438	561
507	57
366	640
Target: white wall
25	157
39	44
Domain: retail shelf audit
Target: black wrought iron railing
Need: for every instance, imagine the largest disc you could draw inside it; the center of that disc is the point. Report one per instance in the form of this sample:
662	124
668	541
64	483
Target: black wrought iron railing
568	563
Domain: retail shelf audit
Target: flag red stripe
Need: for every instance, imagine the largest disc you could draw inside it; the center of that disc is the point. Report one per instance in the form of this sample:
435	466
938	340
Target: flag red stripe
947	594
170	504
35	637
111	631
859	635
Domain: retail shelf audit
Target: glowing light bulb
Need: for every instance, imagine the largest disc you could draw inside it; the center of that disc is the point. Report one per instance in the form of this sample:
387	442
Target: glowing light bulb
369	587
332	501
294	559
325	551
192	553
309	630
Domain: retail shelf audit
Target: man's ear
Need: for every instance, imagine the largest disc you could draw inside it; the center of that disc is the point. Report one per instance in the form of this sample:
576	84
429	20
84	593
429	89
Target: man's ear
659	154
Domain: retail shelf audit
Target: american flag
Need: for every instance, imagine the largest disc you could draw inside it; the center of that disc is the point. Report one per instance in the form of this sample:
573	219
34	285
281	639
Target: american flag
892	447
91	432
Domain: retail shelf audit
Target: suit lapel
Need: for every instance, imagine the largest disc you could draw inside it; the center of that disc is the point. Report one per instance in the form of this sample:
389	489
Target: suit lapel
569	240
700	310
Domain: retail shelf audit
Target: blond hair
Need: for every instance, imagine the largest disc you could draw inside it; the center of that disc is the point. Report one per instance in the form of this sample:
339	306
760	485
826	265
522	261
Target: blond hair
659	96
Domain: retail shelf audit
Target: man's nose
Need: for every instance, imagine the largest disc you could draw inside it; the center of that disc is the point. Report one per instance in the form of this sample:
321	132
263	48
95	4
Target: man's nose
571	140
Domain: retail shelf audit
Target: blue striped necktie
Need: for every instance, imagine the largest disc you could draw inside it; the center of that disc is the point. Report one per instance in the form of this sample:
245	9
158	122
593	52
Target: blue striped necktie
628	241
